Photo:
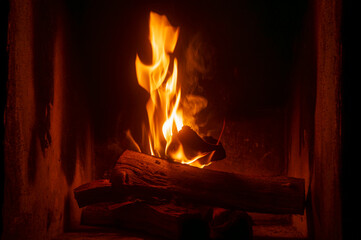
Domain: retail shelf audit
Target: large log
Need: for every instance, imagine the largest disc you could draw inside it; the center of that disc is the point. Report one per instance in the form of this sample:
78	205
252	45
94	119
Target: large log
144	176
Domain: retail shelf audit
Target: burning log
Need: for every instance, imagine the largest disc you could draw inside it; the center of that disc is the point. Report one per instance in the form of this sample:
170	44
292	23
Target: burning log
141	176
168	194
145	177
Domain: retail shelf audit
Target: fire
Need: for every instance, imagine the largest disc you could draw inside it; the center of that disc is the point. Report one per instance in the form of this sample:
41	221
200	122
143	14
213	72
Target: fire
165	114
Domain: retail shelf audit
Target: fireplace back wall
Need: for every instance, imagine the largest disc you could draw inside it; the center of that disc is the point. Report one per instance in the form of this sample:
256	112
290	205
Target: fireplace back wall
240	56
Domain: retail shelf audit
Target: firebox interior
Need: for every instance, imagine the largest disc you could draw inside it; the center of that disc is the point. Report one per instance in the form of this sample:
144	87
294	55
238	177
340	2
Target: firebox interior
73	94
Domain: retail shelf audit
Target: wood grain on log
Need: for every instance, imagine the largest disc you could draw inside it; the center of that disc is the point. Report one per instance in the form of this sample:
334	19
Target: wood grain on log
144	176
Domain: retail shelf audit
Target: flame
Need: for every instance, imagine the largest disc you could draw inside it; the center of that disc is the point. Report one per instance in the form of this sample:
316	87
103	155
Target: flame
165	115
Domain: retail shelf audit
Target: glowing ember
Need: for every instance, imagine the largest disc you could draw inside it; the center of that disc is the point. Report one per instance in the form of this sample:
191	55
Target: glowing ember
165	114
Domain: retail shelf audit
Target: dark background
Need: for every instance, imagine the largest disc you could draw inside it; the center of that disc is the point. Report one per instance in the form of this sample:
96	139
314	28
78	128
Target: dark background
350	120
245	50
4	12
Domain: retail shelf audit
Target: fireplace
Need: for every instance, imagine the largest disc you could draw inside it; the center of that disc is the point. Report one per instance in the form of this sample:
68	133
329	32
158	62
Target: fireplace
270	73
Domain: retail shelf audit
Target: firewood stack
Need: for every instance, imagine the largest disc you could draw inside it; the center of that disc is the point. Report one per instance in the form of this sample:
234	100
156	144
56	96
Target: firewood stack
177	201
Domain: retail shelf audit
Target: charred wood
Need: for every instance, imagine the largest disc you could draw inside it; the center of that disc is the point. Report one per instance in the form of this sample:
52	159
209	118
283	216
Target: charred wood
193	144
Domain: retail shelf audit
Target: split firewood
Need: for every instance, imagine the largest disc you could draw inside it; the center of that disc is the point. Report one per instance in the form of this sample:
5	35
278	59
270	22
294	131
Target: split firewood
145	177
166	220
170	221
100	191
98	215
94	192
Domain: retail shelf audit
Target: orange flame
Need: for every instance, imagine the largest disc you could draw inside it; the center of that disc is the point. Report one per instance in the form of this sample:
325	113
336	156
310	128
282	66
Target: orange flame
165	115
